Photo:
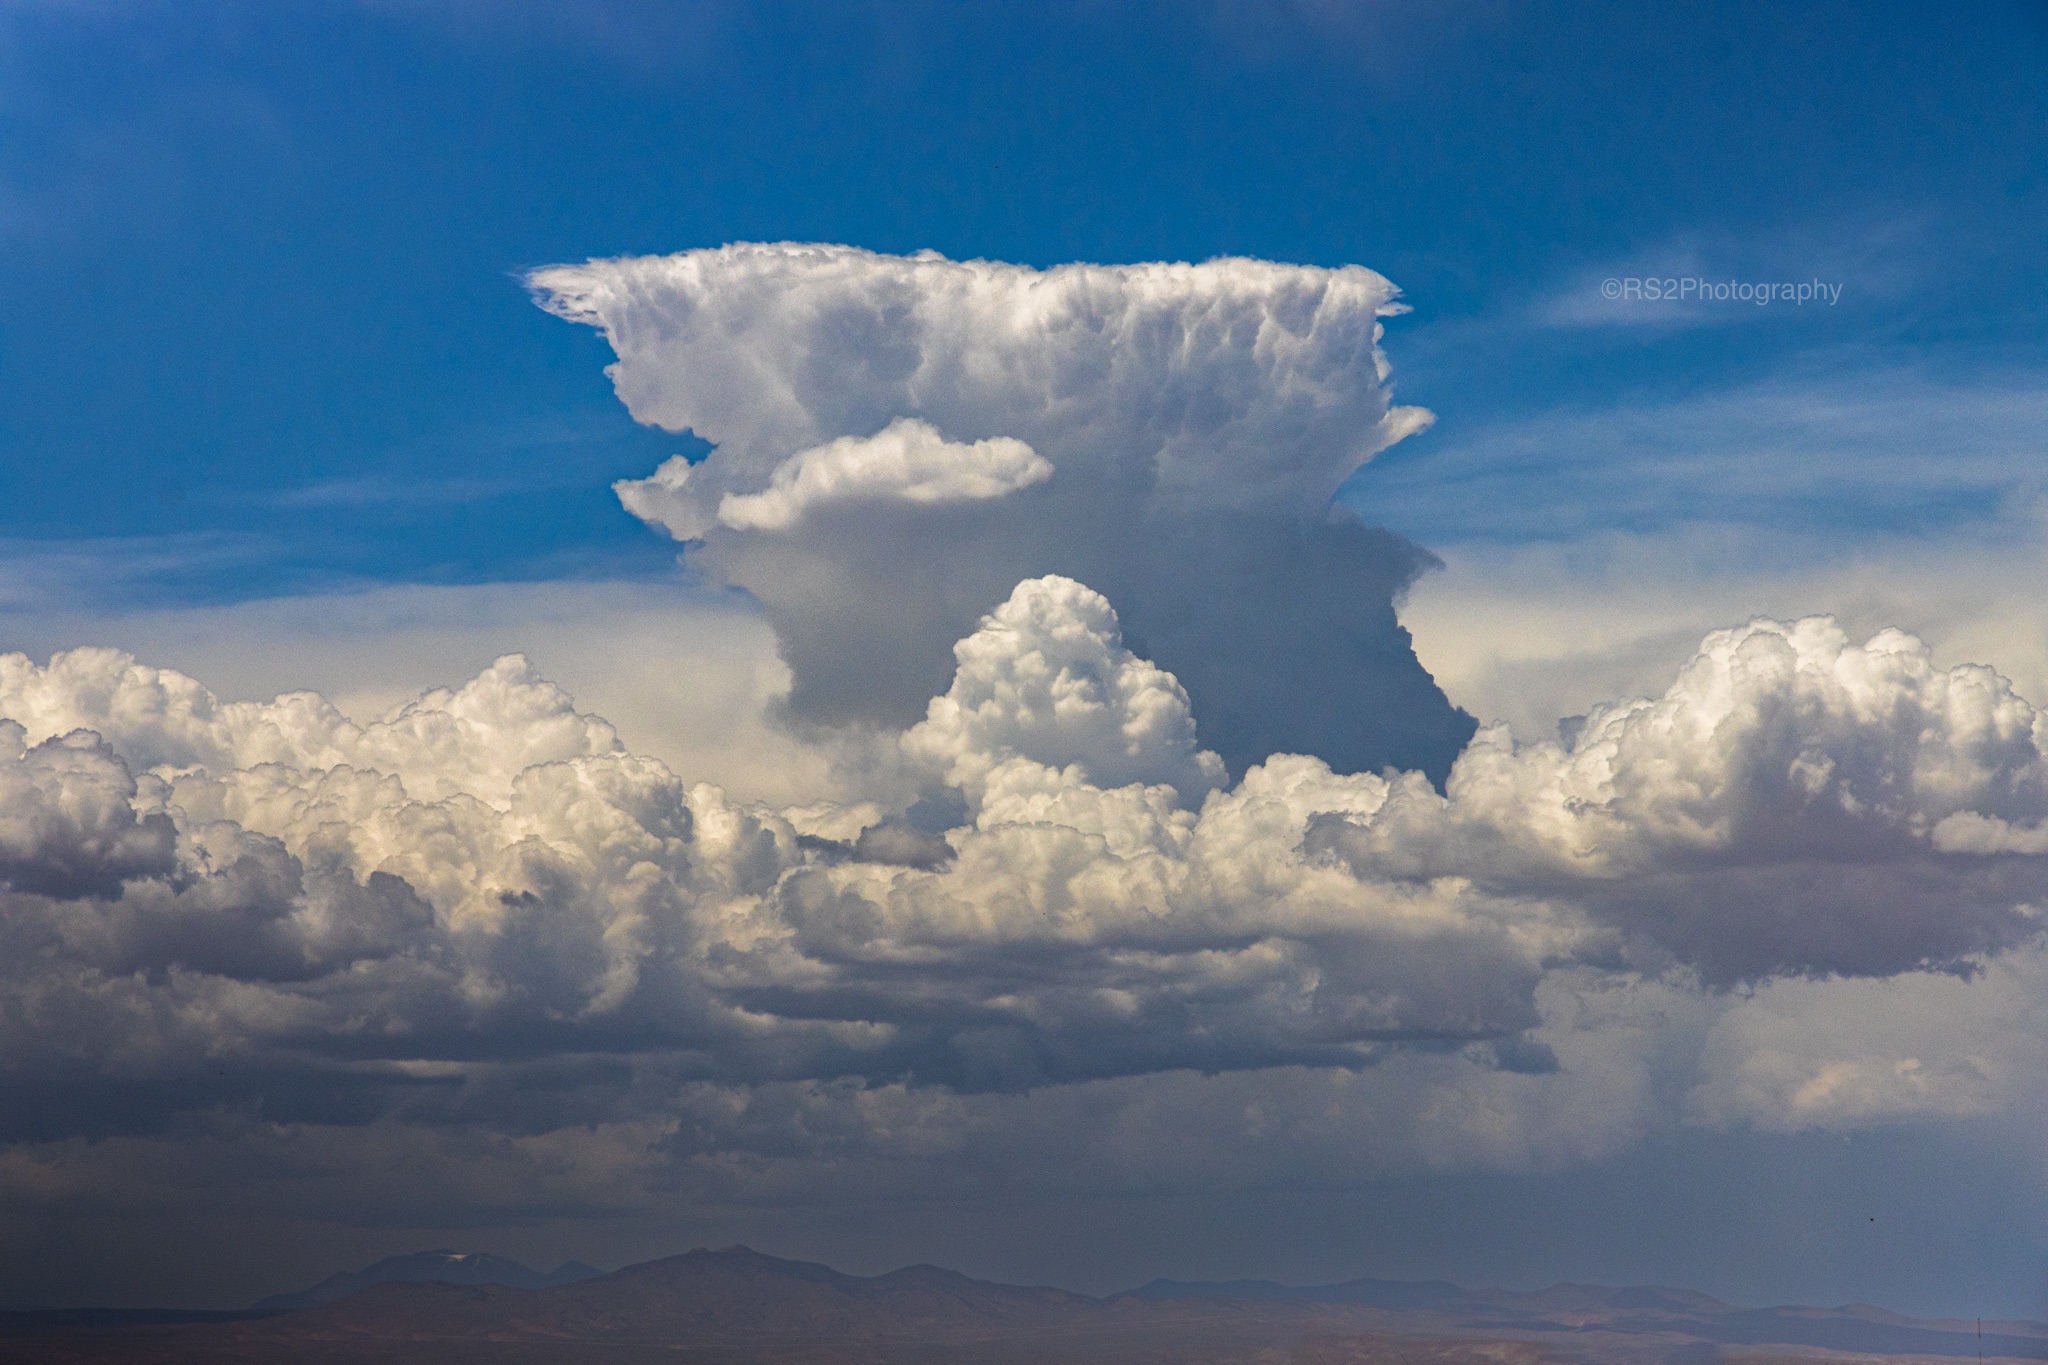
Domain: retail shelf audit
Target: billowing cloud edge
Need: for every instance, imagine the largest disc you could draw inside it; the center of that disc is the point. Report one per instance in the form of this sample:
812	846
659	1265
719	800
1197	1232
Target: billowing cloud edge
485	879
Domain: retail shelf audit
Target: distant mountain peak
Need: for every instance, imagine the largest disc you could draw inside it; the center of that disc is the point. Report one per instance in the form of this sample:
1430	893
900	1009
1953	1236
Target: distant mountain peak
441	1265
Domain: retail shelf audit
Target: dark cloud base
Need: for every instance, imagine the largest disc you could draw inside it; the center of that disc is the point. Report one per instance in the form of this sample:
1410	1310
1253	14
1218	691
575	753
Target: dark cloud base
1283	631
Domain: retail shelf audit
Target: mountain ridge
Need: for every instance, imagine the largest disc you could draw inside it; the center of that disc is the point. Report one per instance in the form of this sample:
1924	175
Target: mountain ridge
439	1266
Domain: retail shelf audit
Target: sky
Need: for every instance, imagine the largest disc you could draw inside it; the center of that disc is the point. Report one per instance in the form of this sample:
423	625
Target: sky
1147	644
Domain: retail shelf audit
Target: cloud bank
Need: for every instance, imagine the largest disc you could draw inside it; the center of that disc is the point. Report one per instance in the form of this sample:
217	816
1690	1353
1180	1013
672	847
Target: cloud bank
900	440
211	902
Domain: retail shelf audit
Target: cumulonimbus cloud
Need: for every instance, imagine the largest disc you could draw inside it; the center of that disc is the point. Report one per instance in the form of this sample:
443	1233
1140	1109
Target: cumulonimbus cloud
1235	383
886	430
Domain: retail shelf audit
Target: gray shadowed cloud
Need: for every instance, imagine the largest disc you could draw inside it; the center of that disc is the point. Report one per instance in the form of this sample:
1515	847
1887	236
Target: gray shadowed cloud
474	964
207	900
484	875
899	441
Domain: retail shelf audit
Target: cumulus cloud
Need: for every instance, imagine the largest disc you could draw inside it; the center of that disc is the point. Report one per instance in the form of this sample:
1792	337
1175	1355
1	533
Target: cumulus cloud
685	675
1793	804
1199	418
473	740
907	460
1047	680
241	881
481	913
68	823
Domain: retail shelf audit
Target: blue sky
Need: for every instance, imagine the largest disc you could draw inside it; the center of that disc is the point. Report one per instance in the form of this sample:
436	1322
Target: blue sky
276	408
268	335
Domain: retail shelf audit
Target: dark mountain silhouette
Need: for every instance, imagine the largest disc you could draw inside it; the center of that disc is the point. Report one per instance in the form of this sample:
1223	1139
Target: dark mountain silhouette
439	1267
740	1307
443	1267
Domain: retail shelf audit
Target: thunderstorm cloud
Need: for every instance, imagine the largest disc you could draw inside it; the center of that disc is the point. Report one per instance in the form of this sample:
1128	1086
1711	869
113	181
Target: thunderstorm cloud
1154	827
898	441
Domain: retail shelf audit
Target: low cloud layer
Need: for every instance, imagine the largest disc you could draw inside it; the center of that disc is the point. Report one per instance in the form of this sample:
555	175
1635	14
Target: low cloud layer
485	872
225	904
900	440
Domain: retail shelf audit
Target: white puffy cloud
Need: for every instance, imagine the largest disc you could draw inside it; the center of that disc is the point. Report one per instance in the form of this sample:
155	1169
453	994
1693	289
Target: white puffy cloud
685	674
907	460
1969	831
1047	679
482	914
1199	418
241	879
1794	803
473	740
68	822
